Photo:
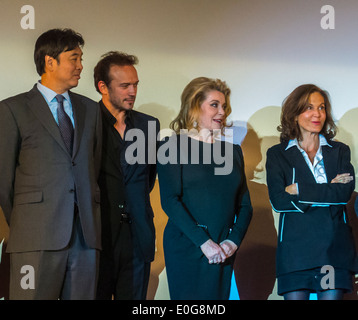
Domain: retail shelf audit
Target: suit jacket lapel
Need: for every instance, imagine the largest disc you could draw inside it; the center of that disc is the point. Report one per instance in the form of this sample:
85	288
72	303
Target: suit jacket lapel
39	107
79	115
297	161
330	160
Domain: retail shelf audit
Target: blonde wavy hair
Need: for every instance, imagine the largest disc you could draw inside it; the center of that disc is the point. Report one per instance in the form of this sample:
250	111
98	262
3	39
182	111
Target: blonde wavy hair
193	96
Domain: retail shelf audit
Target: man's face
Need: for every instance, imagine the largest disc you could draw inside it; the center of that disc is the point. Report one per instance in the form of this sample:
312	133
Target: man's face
122	89
67	70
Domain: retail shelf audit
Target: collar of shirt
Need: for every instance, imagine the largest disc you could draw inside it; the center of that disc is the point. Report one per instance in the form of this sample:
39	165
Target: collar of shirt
317	168
112	120
49	95
322	142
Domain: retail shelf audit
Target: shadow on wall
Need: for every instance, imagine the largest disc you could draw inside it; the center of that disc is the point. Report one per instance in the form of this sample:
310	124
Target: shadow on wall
158	265
163	113
255	261
353	222
348	134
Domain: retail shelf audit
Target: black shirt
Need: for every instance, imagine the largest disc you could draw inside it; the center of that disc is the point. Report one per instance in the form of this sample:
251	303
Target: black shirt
120	144
114	149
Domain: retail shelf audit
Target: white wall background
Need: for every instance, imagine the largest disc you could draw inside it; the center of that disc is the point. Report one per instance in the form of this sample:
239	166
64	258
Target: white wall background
263	49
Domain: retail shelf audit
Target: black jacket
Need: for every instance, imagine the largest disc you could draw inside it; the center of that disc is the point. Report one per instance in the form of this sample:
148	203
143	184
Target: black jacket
129	192
311	236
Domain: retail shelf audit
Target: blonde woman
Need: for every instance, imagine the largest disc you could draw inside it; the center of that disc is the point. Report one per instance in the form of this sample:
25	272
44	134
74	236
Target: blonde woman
208	213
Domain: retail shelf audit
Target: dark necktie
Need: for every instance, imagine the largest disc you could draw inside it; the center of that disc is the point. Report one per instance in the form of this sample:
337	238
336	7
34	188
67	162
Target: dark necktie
64	124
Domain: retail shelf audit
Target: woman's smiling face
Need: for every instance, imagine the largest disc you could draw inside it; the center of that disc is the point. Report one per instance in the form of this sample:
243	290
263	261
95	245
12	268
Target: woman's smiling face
313	118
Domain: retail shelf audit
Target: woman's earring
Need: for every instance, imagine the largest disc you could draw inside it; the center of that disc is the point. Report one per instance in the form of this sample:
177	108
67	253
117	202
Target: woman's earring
195	124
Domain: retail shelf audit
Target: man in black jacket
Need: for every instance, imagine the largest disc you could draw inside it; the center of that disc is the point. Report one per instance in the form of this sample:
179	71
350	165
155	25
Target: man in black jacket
127	176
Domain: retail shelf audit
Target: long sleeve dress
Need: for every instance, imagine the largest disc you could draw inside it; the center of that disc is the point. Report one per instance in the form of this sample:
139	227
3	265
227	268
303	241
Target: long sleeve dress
201	204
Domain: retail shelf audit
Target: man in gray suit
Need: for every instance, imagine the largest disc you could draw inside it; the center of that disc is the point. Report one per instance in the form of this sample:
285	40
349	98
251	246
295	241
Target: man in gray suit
50	150
128	232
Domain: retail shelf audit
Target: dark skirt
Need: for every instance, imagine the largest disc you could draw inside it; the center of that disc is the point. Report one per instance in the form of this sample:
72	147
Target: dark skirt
315	280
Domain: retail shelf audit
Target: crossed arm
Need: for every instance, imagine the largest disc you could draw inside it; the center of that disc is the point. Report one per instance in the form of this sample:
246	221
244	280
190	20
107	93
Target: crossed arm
340	178
288	198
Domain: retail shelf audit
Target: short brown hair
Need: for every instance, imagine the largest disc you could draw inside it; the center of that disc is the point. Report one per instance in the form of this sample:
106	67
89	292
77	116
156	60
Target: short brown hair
191	99
112	58
295	104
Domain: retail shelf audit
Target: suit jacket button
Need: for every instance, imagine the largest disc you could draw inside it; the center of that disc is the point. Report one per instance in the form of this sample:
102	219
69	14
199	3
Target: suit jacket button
72	190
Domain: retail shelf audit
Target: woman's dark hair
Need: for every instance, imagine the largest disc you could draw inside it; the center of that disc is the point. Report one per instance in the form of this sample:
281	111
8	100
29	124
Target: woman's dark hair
295	104
52	43
112	58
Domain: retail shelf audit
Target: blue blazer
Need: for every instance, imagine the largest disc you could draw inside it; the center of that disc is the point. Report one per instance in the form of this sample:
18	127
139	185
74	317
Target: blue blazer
313	226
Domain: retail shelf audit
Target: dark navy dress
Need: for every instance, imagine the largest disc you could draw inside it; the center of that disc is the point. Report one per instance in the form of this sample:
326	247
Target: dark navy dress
201	204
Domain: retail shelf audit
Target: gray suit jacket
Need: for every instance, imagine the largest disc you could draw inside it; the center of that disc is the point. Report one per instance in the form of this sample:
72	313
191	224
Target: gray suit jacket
39	178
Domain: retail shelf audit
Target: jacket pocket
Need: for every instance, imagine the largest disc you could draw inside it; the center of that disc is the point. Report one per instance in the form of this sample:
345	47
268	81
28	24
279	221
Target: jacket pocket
28	197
